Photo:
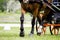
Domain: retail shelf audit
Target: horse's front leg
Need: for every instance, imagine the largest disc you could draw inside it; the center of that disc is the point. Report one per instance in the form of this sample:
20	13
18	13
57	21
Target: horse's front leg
22	21
22	28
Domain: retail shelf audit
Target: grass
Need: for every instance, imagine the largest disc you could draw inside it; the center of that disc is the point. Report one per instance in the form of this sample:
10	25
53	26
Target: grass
13	34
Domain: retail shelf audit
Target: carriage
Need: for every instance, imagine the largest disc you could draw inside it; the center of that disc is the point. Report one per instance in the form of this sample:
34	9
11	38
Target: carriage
54	19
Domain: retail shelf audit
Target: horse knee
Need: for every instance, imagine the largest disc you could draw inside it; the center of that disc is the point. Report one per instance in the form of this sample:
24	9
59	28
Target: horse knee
22	18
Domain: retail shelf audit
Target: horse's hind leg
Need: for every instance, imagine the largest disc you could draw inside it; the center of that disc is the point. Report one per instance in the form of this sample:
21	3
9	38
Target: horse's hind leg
41	25
33	23
36	26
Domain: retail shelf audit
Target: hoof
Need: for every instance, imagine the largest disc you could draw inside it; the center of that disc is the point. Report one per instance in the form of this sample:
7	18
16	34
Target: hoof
22	34
38	34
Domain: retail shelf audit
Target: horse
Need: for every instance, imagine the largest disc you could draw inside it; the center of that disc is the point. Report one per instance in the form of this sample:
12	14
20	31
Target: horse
46	17
32	6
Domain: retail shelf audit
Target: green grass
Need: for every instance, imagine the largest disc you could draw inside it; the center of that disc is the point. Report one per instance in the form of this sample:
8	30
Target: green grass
13	34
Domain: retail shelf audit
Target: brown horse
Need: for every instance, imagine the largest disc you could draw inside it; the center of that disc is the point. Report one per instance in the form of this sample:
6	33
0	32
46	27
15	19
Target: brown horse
45	15
32	6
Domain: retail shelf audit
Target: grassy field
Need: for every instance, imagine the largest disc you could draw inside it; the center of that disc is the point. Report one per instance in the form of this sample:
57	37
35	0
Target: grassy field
13	34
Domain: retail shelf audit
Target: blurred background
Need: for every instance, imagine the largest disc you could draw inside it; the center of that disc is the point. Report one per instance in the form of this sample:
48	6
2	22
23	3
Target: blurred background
10	11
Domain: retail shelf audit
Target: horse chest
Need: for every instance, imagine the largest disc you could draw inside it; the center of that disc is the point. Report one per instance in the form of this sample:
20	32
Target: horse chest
28	7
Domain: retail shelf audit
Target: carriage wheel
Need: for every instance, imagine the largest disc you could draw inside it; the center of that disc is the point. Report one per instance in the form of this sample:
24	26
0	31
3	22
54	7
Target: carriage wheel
51	30
54	30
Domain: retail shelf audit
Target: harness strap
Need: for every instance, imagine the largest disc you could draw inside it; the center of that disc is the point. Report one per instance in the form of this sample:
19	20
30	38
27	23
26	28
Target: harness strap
51	6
